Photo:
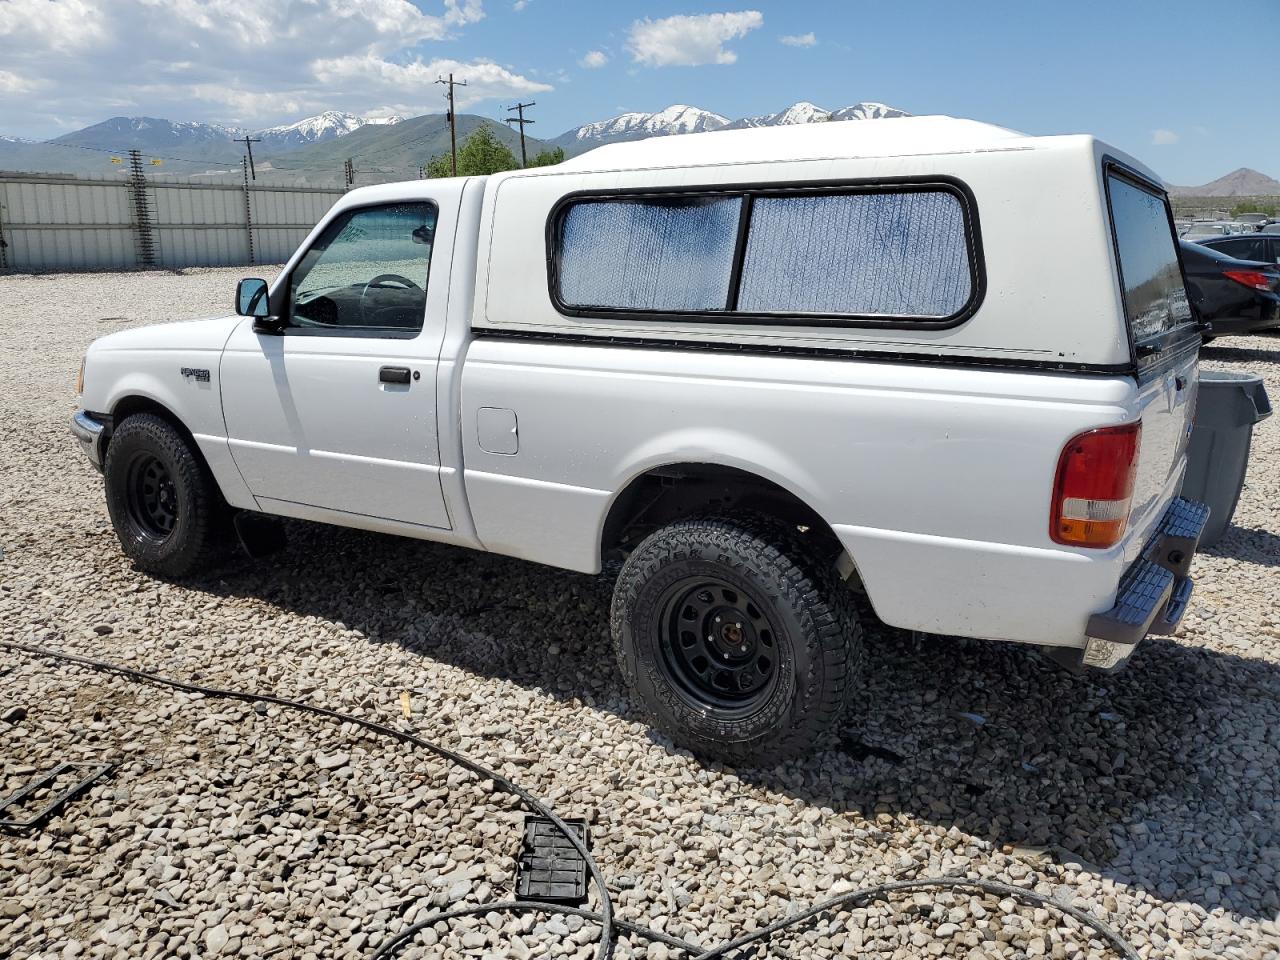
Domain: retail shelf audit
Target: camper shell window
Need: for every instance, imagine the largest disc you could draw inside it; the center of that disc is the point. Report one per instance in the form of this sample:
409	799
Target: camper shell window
1151	279
889	254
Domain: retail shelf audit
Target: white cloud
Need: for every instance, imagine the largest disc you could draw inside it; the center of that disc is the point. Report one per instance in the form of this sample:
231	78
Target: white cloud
799	40
1163	137
463	11
690	41
69	63
382	79
520	5
11	83
594	60
65	26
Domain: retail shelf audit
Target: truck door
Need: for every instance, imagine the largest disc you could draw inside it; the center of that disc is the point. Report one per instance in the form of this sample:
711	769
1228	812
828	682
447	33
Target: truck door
337	410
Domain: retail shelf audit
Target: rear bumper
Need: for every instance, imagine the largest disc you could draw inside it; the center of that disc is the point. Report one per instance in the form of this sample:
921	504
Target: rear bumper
1153	593
89	432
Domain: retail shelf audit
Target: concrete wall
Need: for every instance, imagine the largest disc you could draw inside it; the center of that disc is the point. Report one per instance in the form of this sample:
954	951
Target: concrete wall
63	222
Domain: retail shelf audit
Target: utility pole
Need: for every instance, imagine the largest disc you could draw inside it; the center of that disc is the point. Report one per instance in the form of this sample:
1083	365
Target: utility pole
349	172
519	108
248	142
452	117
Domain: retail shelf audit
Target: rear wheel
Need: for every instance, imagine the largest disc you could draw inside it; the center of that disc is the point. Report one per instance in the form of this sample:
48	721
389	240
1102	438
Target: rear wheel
739	646
164	505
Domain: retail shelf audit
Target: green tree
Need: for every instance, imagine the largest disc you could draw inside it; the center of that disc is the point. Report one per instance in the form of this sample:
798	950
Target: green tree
1248	206
548	158
480	155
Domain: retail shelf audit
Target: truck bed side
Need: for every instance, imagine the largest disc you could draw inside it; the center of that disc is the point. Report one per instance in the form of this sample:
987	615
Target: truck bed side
936	479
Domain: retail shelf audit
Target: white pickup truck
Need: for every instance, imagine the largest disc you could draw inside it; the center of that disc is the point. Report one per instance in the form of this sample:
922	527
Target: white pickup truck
932	362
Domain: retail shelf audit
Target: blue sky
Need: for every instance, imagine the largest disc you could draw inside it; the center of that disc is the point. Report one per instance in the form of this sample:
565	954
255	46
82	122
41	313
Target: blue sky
1134	73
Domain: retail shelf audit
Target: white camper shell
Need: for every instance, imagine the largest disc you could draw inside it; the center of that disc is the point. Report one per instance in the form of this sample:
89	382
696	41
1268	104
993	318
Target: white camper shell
775	381
1031	225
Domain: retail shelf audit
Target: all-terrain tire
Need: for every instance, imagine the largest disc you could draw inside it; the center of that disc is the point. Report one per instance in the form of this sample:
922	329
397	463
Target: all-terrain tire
805	613
166	508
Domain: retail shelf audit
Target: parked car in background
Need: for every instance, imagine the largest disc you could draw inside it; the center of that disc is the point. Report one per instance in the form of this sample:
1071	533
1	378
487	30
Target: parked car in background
1262	247
1271	228
1205	228
1234	296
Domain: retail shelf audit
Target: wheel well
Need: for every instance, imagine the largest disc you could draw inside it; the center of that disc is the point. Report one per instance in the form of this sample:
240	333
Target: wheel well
129	406
666	494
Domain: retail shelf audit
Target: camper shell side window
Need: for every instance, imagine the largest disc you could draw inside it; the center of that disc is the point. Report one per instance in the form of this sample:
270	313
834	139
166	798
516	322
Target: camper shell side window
883	254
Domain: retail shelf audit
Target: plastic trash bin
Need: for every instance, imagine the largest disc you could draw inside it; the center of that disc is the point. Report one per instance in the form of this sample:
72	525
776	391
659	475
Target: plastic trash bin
1218	454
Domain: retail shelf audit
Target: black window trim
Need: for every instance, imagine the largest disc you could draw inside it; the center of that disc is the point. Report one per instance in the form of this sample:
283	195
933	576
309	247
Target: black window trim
748	192
289	329
1147	354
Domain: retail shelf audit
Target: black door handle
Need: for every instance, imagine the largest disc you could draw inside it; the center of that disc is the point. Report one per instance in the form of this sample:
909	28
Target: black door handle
393	375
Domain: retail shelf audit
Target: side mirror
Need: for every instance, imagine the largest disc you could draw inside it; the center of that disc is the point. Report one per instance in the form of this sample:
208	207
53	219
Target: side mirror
251	298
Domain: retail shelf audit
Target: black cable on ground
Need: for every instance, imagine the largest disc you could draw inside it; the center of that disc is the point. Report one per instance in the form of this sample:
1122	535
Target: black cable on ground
609	925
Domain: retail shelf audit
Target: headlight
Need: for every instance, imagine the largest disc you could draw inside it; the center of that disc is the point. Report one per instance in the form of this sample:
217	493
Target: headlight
80	378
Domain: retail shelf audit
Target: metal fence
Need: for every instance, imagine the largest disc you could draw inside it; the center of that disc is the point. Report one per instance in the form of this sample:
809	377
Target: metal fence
64	222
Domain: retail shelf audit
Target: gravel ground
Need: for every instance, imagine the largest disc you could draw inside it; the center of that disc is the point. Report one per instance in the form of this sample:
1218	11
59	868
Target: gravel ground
1148	797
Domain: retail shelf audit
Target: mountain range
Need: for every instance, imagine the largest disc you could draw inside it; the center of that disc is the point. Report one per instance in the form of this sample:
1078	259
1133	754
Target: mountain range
1239	183
315	149
681	118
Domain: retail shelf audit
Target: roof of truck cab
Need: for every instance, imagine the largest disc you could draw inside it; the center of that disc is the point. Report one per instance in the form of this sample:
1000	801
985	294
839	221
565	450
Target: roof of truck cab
890	137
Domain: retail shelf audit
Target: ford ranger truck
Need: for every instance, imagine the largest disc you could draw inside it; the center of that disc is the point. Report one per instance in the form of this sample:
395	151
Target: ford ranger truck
775	383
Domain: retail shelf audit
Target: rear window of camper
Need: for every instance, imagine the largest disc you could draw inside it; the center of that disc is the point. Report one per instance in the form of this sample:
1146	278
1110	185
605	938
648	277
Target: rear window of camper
1154	296
882	257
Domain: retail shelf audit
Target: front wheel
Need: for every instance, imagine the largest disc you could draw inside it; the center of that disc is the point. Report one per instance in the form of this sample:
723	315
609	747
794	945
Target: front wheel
164	505
739	646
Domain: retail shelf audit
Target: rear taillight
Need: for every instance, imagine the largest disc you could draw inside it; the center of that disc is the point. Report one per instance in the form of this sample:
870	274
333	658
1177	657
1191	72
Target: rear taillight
1253	279
1094	487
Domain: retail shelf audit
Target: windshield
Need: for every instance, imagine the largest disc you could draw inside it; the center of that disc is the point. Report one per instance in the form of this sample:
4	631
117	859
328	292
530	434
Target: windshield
1155	299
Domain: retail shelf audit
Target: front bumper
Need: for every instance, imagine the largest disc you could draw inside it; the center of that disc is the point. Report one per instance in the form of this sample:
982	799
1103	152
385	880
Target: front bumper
1153	593
90	434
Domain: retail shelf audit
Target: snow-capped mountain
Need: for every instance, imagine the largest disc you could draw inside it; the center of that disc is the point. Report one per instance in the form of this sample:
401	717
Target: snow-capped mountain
802	112
868	110
805	112
685	119
677	118
325	126
214	141
149	132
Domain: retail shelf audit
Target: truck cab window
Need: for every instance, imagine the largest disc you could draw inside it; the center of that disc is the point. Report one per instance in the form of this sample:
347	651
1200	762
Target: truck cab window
366	272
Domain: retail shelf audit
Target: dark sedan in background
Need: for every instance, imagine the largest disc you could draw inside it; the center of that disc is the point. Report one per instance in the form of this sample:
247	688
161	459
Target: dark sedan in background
1234	296
1263	247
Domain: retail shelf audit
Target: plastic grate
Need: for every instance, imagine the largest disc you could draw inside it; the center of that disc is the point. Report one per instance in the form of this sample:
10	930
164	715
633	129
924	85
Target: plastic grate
549	867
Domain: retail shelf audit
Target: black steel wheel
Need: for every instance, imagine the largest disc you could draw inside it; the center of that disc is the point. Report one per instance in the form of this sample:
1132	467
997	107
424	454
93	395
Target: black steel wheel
151	497
166	509
718	645
739	645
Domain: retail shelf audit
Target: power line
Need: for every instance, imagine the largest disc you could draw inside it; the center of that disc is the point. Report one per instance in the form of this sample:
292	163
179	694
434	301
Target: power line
521	121
453	119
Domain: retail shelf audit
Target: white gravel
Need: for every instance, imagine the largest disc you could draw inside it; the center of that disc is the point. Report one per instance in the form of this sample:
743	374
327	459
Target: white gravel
1149	797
